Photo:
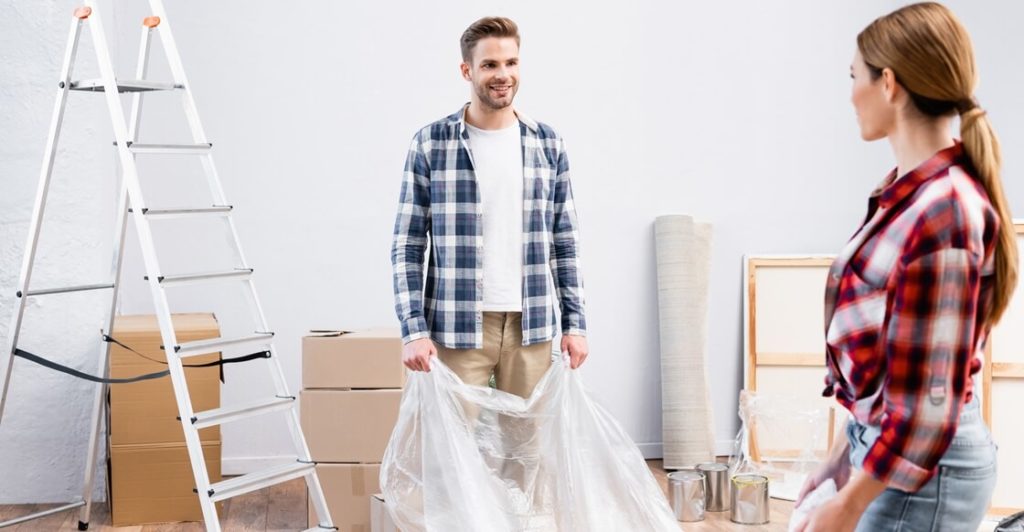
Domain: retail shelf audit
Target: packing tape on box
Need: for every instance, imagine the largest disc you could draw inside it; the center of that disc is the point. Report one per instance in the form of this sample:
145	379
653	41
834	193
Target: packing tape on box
328	333
360	528
358	481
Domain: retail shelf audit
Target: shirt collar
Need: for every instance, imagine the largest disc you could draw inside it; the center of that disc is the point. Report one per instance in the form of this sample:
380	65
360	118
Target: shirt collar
892	190
458	121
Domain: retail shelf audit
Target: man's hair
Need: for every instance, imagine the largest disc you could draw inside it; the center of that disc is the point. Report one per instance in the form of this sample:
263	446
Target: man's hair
486	27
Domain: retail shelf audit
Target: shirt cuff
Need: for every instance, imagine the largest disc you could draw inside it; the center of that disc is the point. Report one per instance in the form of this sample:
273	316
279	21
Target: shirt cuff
414	329
574	331
894	470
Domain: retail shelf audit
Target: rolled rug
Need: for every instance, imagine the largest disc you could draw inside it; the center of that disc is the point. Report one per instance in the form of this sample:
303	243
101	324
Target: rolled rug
683	251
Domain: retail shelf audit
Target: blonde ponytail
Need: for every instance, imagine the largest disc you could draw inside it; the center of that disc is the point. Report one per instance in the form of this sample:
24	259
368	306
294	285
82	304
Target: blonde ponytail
982	147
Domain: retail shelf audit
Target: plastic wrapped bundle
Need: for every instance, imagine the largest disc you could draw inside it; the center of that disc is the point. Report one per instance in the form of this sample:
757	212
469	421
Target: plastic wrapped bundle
783	437
470	458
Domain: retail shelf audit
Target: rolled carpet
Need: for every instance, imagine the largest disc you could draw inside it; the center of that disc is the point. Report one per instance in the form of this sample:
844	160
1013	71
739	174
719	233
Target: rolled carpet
683	250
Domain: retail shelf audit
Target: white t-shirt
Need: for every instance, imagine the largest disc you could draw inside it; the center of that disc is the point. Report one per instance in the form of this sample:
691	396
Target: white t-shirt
498	164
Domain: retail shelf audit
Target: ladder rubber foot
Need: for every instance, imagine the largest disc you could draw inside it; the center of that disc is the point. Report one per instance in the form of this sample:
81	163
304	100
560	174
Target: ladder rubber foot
83	526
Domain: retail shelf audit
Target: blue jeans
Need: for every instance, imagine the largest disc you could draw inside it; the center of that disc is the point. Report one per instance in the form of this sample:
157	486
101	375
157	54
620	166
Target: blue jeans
954	500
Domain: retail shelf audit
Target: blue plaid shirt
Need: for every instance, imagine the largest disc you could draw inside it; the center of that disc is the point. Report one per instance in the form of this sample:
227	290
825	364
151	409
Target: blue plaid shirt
440	205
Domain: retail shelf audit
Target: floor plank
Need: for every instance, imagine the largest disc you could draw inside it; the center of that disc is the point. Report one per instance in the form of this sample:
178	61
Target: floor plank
283	508
287	506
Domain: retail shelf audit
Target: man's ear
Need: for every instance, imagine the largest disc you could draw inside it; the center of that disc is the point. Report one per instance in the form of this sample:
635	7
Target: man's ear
464	67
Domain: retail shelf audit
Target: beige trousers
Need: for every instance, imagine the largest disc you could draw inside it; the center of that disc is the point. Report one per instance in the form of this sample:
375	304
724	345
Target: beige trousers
517	368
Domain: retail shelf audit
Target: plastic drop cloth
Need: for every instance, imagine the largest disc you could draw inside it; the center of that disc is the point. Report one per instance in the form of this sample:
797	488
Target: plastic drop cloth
791	435
471	458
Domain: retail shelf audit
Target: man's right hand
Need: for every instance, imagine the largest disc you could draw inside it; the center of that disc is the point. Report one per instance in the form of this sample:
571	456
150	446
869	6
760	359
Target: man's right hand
416	354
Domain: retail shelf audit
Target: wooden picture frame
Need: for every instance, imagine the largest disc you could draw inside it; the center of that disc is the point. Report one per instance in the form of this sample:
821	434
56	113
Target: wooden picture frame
1002	391
783	308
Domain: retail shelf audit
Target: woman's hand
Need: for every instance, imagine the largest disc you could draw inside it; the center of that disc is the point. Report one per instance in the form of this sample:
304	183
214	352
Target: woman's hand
836	467
833	516
843	512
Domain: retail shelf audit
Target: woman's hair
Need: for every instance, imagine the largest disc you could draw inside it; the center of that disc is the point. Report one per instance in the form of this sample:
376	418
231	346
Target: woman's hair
930	53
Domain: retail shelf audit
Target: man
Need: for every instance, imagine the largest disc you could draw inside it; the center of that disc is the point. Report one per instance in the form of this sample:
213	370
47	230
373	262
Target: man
488	190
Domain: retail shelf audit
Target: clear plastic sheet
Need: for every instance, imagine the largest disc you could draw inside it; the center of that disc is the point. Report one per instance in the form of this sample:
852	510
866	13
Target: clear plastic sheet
784	438
471	458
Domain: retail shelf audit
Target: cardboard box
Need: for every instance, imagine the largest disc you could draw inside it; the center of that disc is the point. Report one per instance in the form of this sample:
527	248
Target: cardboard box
351	426
154	483
362	359
380	519
146	412
347	488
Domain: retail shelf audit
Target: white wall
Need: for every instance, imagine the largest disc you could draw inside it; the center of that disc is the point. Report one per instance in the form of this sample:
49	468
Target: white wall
737	113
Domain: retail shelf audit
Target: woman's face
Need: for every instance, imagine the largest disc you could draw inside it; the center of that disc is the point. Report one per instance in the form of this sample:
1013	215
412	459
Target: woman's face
875	112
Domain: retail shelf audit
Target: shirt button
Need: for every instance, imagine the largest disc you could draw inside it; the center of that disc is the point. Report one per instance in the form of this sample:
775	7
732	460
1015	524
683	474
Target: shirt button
835	276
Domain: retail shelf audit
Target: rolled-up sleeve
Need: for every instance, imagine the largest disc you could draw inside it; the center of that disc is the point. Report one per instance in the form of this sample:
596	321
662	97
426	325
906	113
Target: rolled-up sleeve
565	262
928	346
408	248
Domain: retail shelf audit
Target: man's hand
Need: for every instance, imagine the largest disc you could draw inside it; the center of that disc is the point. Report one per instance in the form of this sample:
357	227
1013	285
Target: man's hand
416	354
576	347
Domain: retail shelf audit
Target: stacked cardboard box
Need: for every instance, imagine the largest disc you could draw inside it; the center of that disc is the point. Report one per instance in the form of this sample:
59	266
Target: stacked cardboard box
150	475
349	404
380	519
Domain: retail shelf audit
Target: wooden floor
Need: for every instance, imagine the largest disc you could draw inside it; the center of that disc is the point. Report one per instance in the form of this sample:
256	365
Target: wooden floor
283	507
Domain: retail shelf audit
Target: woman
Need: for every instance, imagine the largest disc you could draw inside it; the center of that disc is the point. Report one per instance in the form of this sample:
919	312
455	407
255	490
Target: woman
913	296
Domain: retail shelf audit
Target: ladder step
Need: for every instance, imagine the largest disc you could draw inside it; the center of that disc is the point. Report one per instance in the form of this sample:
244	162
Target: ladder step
234	487
66	289
219	416
193	278
169	149
216	210
202	347
123	85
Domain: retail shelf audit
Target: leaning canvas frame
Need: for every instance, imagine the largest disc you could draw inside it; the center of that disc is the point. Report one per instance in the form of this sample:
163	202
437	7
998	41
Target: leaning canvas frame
1003	375
800	364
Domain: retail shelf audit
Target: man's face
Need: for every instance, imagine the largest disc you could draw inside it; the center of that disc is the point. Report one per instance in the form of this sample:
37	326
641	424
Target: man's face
494	72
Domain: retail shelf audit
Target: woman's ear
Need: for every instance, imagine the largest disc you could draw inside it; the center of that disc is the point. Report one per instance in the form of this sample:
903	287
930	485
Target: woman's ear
889	85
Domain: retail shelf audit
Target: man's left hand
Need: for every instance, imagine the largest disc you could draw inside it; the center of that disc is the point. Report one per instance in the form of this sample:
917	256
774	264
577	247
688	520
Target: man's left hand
576	347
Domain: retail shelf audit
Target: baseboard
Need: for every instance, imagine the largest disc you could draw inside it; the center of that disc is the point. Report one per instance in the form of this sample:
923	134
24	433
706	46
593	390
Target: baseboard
247	464
656	450
651	451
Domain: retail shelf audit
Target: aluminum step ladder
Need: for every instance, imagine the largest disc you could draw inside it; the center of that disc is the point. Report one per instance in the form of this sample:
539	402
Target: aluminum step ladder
133	204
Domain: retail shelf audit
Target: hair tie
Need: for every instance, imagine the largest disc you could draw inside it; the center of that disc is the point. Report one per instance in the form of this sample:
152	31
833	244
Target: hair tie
968	117
965	105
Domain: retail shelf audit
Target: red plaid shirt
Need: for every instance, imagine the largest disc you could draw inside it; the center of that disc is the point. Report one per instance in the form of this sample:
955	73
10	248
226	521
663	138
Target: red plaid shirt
905	308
